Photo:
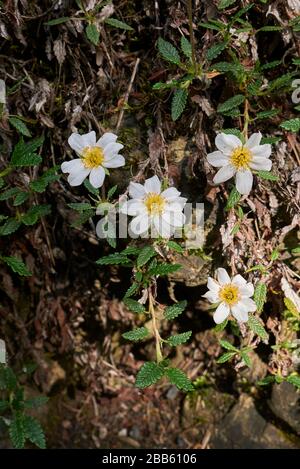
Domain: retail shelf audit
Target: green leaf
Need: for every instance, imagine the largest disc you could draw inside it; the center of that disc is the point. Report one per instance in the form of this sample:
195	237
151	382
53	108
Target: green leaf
296	250
112	259
265	381
149	374
186	47
40	184
92	34
8	379
256	326
268	176
214	25
17	431
179	339
228	345
111	191
34	213
175	246
56	21
10	226
270	28
118	24
215	50
20	126
220	327
4	405
34	431
178	103
36	402
136	334
168	51
20	198
80	206
16	265
233	199
24	153
180	379
90	188
134	305
291	307
292	125
231	103
260	296
225	3
225	357
145	255
267	114
270	65
9	193
131	290
131	251
271	140
164	269
246	359
171	312
294	379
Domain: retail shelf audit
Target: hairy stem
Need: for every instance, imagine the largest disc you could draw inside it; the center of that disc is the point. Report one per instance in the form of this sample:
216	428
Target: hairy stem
159	356
246	119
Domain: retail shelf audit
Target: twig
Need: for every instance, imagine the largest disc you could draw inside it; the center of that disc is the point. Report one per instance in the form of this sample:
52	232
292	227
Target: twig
128	93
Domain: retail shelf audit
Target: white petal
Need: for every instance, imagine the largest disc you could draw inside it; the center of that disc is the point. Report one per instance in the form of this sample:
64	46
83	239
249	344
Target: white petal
261	164
162	227
78	142
177	205
133	207
170	193
217	159
226	143
211	296
176	219
115	162
72	166
247	290
213	285
97	176
106	138
253	141
140	224
244	181
249	304
240	312
263	151
136	190
77	178
223	277
153	185
224	174
111	150
221	313
238	280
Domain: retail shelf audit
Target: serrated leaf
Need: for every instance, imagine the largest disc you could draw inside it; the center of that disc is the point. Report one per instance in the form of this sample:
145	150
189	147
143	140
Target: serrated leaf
24	153
215	50
90	188
20	198
20	126
168	51
179	339
16	265
175	246
270	65
80	206
186	47
265	381
145	255
179	378
267	175
228	345
178	103
233	199
291	307
220	327
136	334
294	379
164	269
40	184
92	34
10	226
118	24
113	259
260	296
225	3
149	374
134	305
256	326
34	431
9	193
225	357
17	432
131	251
35	213
267	114
111	191
131	290
171	312
56	21
231	103
270	28
246	359
292	125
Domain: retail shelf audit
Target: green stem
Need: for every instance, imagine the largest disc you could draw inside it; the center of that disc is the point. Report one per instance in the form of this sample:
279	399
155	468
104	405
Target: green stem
159	356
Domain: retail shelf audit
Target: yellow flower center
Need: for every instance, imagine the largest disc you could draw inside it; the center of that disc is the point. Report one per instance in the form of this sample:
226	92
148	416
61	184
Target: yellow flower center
241	157
154	203
92	157
229	294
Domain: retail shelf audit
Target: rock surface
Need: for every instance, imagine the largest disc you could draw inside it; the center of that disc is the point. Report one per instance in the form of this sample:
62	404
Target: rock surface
285	403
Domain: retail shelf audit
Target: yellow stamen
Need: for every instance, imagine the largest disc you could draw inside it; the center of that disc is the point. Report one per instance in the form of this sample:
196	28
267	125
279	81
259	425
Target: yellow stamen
92	157
154	203
241	157
229	294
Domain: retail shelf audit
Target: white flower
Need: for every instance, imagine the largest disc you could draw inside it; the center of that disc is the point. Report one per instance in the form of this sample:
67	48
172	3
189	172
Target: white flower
153	208
236	158
94	158
233	296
